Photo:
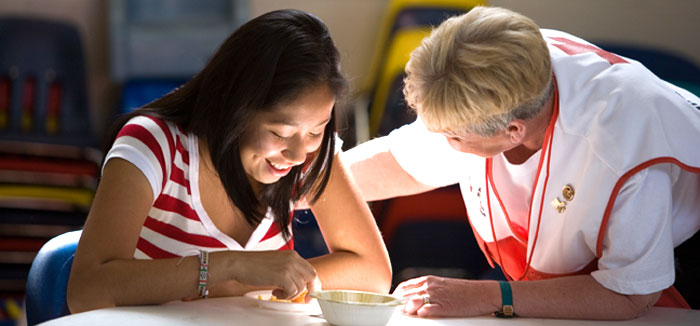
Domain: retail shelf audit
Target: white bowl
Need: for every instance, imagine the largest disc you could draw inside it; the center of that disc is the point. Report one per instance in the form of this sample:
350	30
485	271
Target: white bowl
346	307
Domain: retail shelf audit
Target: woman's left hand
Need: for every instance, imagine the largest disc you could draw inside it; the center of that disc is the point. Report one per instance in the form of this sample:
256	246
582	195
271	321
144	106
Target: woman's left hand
431	296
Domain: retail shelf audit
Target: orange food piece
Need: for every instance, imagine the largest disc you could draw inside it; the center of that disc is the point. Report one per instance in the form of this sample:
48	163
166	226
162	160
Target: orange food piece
300	298
297	299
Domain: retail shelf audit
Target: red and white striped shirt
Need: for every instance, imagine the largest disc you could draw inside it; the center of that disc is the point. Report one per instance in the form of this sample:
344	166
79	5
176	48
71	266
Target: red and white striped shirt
177	224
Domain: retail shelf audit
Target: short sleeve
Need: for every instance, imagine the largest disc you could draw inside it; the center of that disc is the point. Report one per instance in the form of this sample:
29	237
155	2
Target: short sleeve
427	156
637	253
148	144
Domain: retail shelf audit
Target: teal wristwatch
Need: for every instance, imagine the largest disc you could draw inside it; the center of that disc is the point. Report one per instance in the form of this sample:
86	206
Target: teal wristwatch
506	301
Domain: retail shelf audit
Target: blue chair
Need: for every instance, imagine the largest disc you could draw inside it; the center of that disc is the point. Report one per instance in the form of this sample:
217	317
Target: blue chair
48	278
43	87
139	92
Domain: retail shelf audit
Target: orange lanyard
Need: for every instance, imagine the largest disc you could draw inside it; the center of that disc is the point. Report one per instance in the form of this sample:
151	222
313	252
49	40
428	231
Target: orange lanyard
547	146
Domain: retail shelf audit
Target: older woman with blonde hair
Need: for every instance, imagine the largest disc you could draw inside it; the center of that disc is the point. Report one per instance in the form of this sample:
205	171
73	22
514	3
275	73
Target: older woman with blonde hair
579	169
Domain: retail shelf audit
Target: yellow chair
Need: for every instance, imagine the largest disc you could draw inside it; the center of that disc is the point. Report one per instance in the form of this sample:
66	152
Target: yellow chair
407	23
403	43
404	25
402	14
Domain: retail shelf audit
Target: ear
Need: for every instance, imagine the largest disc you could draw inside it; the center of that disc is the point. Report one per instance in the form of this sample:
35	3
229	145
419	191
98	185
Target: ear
516	131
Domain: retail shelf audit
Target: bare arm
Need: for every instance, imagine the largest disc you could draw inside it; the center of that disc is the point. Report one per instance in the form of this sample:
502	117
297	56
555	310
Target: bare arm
570	297
103	267
577	297
358	258
378	174
104	274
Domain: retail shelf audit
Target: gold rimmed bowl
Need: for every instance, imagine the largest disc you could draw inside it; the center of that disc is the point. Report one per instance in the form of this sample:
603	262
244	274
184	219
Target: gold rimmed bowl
347	307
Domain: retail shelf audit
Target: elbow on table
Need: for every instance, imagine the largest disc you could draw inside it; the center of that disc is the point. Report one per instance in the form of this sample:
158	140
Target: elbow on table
637	305
374	276
383	280
80	299
645	303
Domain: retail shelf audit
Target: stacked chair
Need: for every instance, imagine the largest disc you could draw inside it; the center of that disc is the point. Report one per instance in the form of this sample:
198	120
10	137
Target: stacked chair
155	46
49	161
405	24
426	233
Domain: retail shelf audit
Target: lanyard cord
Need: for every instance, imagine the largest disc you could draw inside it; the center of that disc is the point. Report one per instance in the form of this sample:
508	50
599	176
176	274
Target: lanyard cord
547	145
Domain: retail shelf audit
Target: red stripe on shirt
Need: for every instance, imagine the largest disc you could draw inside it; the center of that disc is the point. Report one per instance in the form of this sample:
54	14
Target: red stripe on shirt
178	176
147	138
169	136
182	131
172	204
271	232
183	152
288	246
175	233
152	251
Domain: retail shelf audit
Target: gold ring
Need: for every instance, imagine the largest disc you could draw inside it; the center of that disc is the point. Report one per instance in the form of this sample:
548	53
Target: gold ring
426	299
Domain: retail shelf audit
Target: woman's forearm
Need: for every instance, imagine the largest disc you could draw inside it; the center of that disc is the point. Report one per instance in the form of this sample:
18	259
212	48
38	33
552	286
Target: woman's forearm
137	282
577	297
569	297
132	282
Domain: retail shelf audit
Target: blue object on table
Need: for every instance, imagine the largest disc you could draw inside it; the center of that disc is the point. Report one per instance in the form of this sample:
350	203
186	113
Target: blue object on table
48	278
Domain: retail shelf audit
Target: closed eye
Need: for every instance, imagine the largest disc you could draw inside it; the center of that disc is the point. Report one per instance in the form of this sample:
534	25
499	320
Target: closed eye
278	136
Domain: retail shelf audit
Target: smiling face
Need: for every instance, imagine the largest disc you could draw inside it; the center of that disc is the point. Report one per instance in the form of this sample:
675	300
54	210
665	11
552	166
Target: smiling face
279	139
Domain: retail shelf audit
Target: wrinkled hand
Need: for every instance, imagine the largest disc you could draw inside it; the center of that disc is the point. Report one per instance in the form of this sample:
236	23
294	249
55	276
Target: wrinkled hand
445	297
284	270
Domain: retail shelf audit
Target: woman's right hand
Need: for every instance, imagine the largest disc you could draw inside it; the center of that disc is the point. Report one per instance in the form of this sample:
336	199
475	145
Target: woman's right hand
283	270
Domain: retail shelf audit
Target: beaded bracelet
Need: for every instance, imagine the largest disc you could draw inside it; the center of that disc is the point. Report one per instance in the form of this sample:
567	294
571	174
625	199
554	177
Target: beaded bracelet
203	273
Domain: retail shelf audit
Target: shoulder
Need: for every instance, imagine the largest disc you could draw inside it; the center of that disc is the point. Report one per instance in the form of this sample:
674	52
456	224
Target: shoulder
599	91
142	126
150	144
155	134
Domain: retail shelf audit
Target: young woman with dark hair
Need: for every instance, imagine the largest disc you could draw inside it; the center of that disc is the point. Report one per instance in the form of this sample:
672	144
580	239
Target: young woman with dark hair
216	166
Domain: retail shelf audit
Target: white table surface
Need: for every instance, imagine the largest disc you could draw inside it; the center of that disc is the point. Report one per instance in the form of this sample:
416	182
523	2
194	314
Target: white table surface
244	311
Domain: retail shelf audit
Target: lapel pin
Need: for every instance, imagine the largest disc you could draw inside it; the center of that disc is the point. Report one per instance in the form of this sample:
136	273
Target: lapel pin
568	192
559	205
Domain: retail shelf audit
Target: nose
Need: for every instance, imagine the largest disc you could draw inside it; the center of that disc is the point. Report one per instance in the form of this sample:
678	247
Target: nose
295	151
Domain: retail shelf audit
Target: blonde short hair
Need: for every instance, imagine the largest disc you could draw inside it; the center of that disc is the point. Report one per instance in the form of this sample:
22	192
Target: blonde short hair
479	71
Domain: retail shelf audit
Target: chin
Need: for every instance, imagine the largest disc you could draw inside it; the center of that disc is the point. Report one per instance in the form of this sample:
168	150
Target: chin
268	181
482	155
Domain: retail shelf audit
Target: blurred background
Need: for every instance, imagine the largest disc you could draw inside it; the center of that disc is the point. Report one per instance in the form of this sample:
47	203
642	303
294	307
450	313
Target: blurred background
69	67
